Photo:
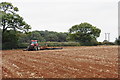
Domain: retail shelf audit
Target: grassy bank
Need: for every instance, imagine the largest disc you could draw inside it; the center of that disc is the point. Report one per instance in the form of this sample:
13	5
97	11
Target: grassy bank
51	44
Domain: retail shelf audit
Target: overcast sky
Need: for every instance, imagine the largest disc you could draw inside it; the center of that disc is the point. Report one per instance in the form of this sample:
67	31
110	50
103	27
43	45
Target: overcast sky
60	15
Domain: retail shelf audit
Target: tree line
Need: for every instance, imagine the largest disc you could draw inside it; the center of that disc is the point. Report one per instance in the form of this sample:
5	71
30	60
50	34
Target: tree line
12	39
15	31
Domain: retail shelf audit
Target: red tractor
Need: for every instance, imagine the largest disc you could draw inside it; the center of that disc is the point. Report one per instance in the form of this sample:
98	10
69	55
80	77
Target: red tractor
33	45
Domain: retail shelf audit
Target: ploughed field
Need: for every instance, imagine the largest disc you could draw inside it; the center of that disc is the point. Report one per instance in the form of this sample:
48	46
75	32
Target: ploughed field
69	62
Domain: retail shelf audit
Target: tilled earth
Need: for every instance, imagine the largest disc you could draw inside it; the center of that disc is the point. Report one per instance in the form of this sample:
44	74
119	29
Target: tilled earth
69	62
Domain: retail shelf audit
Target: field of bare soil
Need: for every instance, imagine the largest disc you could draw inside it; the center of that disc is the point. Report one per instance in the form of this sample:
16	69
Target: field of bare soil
69	62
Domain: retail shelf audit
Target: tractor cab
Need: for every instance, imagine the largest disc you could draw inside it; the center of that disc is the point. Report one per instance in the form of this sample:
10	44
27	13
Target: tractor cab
34	42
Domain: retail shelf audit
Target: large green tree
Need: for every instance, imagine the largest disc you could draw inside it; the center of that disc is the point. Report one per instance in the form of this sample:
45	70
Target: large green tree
10	40
10	19
84	33
10	23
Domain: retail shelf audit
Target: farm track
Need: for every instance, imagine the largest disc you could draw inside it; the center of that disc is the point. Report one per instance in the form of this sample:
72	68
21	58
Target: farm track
70	62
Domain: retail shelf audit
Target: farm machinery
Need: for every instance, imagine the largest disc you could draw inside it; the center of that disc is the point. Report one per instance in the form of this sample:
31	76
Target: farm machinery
34	46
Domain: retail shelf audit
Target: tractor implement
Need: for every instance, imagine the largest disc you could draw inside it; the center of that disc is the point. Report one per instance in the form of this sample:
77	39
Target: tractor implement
50	48
34	46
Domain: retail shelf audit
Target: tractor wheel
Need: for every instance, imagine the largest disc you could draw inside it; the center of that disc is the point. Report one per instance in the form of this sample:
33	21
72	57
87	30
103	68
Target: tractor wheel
36	48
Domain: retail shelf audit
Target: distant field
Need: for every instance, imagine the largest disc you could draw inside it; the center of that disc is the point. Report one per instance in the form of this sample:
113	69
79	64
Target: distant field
70	62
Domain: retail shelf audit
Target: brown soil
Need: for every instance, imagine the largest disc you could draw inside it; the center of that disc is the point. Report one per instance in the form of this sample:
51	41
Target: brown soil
70	62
